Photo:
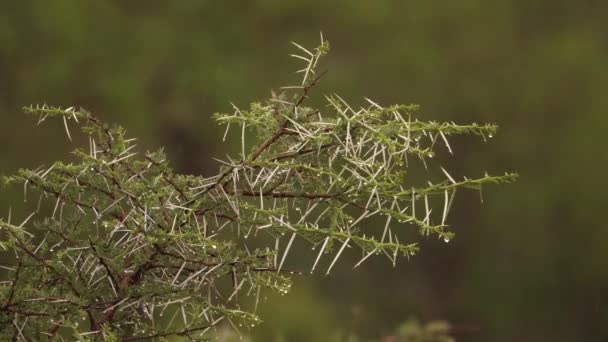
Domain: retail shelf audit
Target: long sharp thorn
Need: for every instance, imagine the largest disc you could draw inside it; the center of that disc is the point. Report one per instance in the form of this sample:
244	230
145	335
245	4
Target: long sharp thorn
337	256
320	253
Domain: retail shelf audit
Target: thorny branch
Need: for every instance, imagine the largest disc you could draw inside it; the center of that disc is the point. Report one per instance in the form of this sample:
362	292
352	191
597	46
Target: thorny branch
131	248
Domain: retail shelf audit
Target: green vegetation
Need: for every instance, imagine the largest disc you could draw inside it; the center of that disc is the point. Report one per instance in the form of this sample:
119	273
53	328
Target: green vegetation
131	250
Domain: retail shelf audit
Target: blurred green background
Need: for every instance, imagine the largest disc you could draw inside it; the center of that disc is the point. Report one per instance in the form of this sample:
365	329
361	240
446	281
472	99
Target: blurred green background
531	264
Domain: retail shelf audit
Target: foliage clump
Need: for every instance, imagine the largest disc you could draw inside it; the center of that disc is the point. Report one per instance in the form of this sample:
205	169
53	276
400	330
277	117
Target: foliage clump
130	250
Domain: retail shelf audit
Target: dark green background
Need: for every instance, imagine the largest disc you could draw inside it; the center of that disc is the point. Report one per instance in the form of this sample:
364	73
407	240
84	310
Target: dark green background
528	265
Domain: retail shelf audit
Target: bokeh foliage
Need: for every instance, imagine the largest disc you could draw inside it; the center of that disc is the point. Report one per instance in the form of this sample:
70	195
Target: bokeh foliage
530	266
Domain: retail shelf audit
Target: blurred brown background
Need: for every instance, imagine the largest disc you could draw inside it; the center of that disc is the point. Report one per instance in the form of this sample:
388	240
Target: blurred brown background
528	265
